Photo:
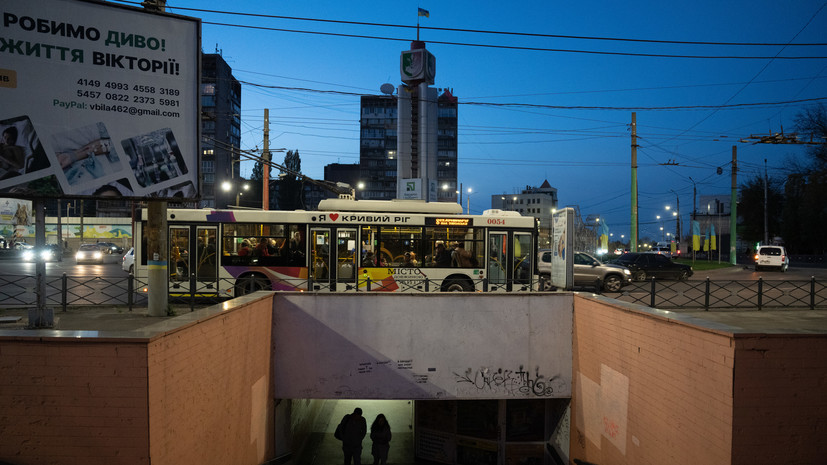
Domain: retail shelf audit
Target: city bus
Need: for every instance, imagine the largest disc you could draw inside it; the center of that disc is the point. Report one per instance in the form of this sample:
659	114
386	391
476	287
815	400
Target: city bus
344	246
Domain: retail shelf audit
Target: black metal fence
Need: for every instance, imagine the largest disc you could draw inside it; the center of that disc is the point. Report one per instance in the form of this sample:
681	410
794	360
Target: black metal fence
726	295
65	291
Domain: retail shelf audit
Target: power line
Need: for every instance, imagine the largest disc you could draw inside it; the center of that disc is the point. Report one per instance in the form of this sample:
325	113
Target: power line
518	47
561	107
481	31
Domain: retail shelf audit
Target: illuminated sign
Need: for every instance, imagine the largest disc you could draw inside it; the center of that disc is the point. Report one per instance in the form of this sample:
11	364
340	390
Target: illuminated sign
448	221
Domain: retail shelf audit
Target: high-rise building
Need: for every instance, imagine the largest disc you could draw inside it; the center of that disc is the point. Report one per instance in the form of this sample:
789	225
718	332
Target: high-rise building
220	132
378	156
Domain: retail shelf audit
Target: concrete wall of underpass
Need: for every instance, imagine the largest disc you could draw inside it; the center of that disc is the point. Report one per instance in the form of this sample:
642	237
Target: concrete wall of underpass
415	346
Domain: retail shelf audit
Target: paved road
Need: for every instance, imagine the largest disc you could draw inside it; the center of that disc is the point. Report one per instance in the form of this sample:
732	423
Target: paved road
748	273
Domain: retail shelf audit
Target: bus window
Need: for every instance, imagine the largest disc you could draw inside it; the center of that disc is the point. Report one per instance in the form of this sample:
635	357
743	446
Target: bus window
369	244
345	254
320	254
471	252
522	259
497	271
179	257
396	241
205	254
296	246
258	244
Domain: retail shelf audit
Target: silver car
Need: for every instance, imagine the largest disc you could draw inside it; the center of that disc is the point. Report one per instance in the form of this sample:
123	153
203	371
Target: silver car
588	272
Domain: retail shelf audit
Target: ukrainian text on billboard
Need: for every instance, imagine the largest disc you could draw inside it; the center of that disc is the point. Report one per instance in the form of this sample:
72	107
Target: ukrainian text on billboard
97	100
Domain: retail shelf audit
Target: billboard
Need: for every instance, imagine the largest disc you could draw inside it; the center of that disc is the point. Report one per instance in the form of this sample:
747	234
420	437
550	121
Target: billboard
562	248
98	100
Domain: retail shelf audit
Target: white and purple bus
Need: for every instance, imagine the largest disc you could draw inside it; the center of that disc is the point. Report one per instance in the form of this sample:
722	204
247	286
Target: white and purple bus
345	246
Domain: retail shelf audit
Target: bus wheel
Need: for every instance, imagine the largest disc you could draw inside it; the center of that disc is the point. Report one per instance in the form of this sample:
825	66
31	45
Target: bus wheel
455	285
251	283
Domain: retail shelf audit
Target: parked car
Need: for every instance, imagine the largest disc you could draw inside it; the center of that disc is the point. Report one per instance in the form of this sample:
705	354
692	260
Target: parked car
587	270
110	248
647	265
128	261
89	253
667	251
46	253
772	256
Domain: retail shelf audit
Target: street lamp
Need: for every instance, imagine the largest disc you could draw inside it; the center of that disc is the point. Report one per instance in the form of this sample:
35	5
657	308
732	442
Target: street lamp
227	186
468	202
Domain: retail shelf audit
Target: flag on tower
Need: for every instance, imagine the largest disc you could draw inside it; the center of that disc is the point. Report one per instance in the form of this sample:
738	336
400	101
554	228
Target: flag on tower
423	12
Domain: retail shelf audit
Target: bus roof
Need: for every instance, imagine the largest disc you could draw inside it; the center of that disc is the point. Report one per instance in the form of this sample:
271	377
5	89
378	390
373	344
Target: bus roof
390	206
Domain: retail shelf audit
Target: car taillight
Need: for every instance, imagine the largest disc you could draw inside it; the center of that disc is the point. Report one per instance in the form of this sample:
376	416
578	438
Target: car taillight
756	257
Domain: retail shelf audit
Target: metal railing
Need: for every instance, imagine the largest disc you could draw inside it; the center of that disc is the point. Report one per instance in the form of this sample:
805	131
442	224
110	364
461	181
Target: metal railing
726	295
64	291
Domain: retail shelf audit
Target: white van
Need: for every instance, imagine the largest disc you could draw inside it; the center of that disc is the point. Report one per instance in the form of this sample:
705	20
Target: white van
772	256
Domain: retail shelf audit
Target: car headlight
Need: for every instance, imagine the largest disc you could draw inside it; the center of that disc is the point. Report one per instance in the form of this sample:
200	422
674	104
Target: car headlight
97	255
46	255
627	272
28	255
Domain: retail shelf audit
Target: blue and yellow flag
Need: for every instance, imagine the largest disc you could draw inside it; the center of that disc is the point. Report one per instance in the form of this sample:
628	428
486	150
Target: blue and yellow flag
423	12
696	236
713	242
604	236
706	240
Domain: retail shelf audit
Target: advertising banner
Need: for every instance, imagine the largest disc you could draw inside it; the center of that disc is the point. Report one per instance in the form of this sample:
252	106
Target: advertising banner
562	243
98	100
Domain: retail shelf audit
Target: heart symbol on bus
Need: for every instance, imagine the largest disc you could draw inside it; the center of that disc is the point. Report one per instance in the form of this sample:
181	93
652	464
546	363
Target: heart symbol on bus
334	216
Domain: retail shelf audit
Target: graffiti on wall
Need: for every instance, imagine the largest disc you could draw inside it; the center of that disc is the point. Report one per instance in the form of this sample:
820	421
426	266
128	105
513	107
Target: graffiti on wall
515	383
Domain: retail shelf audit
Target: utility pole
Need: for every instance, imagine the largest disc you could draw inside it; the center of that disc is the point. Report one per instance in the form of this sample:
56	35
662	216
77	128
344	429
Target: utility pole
733	207
265	168
766	228
157	253
634	220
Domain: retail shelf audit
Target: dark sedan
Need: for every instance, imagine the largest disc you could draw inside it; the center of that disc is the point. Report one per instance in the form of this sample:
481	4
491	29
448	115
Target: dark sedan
645	265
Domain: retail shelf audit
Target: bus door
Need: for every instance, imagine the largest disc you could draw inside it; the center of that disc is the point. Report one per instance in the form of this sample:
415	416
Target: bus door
320	258
346	268
523	264
509	261
205	261
179	260
498	269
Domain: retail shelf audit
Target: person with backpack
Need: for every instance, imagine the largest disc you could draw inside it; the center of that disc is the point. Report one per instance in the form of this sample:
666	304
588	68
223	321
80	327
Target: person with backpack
351	430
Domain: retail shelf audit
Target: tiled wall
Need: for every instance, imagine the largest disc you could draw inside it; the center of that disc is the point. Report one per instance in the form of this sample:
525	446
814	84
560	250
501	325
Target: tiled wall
210	395
199	393
780	400
648	390
73	402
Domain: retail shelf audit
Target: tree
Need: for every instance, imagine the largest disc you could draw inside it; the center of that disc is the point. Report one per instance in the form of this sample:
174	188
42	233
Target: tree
290	186
806	214
751	209
811	122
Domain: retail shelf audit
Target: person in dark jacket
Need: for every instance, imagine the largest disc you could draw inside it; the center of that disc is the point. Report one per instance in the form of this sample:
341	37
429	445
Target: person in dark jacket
354	429
442	257
380	434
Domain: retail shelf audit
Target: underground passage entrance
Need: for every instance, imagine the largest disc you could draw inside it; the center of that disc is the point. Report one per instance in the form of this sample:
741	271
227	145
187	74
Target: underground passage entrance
467	432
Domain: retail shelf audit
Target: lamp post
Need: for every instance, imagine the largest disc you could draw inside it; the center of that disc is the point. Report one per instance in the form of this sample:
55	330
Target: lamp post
677	214
227	186
468	202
